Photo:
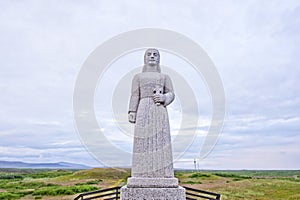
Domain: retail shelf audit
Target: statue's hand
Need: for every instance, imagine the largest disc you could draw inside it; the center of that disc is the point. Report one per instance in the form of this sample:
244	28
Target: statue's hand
159	98
132	117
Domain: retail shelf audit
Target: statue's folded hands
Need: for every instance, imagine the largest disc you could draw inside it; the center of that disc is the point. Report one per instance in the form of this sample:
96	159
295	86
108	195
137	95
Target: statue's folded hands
159	98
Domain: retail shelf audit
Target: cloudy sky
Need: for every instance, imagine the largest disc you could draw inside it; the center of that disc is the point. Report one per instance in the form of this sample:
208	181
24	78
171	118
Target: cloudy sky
254	45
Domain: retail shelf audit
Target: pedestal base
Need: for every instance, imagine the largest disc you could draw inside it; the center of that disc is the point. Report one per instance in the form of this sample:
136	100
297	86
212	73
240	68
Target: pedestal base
153	193
134	182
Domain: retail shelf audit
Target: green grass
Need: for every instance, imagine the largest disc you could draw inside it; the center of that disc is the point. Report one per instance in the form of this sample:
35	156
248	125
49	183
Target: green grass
21	185
232	185
96	173
261	189
232	175
15	190
10	176
192	182
9	196
200	175
15	184
238	185
63	190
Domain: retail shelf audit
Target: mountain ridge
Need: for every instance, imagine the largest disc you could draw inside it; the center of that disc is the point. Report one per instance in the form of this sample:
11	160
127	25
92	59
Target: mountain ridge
55	165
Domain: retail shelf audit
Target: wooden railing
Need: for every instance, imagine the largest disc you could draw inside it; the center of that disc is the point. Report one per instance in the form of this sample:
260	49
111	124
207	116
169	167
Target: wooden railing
105	194
195	194
114	193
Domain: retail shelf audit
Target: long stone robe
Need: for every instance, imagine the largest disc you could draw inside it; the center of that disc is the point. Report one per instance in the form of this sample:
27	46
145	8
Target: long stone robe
152	152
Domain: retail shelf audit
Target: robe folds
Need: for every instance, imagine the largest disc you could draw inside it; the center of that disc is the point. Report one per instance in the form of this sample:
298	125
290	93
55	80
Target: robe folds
152	152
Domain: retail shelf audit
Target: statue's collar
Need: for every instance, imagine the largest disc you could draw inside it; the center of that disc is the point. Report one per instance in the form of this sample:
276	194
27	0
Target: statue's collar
148	68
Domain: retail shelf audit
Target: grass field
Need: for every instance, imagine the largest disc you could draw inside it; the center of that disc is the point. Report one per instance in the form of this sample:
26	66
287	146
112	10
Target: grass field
28	184
257	185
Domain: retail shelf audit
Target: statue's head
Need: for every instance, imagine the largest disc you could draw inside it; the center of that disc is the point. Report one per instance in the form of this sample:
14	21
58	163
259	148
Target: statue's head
151	57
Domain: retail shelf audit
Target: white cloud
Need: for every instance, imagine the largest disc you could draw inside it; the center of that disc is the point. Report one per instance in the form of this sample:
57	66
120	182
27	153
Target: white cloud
254	45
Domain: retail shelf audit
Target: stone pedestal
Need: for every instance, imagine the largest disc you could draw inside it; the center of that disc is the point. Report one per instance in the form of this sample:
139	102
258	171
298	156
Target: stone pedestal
152	189
152	193
152	182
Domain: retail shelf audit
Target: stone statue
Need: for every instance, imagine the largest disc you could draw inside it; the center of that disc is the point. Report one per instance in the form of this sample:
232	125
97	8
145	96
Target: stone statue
151	92
152	174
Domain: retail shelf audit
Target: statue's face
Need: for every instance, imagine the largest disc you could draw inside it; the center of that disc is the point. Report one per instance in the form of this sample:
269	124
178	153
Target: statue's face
151	57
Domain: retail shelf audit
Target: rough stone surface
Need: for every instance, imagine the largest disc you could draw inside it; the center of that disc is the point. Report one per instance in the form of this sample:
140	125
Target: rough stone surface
153	193
152	163
152	183
151	93
152	152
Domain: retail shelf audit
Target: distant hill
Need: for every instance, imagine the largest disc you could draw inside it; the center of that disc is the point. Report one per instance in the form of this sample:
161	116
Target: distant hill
57	165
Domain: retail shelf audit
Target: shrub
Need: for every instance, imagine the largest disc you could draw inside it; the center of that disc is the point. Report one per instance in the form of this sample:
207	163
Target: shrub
9	196
228	175
199	175
63	190
11	176
92	182
48	174
192	182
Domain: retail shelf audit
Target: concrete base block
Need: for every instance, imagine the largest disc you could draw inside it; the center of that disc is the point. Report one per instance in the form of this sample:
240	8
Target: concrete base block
152	182
153	193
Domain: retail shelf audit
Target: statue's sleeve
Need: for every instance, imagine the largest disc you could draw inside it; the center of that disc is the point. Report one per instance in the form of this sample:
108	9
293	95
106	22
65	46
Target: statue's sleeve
168	89
135	95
